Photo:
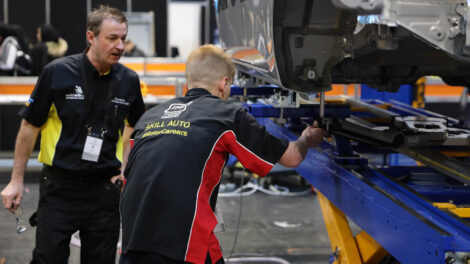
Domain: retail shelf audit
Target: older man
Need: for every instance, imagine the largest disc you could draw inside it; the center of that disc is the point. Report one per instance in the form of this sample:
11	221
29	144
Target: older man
85	107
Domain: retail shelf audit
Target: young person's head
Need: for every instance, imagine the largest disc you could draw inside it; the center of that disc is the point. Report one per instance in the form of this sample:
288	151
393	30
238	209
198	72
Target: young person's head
210	68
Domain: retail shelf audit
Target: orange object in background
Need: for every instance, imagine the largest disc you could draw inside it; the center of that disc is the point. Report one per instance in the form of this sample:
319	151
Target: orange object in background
157	68
25	85
161	90
430	90
26	89
143	88
338	89
16	88
160	78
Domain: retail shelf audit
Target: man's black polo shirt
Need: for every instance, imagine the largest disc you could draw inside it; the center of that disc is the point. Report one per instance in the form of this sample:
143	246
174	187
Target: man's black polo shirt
174	169
59	107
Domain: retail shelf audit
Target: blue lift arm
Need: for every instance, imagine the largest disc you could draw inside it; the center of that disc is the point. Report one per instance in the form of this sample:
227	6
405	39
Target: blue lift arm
407	225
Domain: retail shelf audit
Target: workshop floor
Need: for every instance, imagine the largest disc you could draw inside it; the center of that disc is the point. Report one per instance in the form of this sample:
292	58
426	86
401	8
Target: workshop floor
290	228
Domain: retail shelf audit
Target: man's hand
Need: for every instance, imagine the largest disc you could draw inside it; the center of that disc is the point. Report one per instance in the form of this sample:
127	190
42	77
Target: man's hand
119	177
312	136
12	195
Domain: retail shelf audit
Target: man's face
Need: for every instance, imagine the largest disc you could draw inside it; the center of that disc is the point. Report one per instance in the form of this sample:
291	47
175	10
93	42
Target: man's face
108	46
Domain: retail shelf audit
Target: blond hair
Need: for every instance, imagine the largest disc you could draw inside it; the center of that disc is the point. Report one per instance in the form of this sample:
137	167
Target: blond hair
206	66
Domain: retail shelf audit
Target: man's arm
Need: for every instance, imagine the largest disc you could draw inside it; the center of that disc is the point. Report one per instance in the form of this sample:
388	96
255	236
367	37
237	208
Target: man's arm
24	145
126	135
297	150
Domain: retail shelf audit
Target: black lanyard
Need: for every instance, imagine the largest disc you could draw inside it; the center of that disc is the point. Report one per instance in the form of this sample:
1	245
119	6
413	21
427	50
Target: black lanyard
89	100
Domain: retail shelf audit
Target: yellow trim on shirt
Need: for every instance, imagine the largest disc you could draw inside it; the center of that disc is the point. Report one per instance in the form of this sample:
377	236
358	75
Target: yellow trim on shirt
120	146
50	134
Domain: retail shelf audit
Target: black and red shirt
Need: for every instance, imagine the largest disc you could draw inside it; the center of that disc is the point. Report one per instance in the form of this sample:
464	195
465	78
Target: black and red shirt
174	170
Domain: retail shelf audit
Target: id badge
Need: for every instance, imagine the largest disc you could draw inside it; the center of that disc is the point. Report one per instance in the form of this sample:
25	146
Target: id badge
92	149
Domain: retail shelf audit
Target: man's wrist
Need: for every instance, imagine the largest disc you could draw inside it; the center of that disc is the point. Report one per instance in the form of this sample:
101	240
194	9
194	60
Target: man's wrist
17	178
16	182
302	146
301	143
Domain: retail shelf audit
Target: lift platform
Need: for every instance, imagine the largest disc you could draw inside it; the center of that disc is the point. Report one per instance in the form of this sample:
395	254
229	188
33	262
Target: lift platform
399	173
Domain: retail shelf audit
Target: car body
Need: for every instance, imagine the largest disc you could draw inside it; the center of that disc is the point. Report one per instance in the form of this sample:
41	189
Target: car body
307	45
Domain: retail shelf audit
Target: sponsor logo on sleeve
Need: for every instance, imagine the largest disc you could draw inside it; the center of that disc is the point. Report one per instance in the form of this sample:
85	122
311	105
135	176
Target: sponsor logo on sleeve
30	101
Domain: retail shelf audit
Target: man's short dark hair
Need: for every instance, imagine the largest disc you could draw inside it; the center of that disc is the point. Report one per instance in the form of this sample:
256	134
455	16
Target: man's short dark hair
103	12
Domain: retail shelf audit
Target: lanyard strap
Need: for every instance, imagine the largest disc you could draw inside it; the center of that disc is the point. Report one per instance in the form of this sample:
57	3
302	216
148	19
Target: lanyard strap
89	97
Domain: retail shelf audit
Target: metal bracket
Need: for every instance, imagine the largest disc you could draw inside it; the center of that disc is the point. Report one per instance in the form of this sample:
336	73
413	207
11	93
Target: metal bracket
368	6
284	99
440	23
464	12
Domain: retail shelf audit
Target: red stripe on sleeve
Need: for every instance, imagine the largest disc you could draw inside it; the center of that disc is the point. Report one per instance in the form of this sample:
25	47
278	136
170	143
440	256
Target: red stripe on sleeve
200	241
248	159
214	249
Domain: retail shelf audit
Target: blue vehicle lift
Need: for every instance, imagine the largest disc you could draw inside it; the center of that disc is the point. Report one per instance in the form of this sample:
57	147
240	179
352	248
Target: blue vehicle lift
415	212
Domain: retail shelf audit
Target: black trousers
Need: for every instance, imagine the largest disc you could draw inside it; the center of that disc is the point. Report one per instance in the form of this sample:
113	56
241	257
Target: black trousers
67	204
141	257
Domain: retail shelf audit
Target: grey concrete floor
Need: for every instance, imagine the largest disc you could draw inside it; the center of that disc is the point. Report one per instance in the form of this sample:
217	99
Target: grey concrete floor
291	228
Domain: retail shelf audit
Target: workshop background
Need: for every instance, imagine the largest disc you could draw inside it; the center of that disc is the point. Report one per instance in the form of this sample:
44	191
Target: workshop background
277	219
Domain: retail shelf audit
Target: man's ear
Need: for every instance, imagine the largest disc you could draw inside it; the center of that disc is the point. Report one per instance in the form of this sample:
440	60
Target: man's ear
90	37
222	83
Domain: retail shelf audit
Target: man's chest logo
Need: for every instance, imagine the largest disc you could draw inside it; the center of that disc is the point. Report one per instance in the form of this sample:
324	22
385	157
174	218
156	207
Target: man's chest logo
77	95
